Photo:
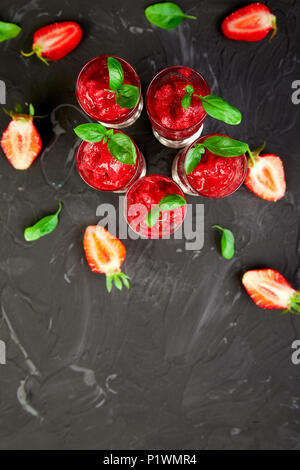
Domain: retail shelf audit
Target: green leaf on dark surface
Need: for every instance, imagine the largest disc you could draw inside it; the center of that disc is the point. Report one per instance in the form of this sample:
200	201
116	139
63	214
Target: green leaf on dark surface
116	73
127	96
43	227
218	108
8	31
193	157
227	242
225	146
166	15
90	132
121	147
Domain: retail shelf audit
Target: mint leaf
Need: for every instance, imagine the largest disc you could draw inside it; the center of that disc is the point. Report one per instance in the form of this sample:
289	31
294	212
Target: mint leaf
42	227
193	157
171	202
189	89
218	108
166	15
225	146
90	132
116	73
152	216
8	31
227	242
127	96
186	101
121	147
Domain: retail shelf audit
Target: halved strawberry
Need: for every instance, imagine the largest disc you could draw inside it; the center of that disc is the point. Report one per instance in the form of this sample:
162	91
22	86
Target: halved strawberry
265	177
21	142
55	41
270	290
105	253
250	23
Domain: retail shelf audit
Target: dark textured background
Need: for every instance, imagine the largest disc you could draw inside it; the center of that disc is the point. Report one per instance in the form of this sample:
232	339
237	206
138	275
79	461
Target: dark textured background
184	359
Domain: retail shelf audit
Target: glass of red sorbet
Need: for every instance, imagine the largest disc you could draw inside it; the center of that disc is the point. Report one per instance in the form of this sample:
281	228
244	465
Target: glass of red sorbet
173	125
100	170
95	98
144	195
214	177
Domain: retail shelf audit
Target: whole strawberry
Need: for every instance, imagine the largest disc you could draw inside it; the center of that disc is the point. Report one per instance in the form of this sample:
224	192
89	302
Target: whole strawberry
55	41
250	23
21	142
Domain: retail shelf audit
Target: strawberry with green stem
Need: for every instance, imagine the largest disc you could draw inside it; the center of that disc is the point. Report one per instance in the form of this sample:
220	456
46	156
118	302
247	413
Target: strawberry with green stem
105	254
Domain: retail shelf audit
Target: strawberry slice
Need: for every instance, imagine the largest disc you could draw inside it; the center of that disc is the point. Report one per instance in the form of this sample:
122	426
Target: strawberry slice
270	290
250	23
21	142
55	41
105	253
265	177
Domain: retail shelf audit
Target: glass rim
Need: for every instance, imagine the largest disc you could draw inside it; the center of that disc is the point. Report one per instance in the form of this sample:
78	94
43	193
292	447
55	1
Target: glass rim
151	83
132	111
139	155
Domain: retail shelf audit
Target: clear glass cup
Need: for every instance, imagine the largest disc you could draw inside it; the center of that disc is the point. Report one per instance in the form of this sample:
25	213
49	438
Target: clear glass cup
214	177
100	170
145	194
94	97
173	125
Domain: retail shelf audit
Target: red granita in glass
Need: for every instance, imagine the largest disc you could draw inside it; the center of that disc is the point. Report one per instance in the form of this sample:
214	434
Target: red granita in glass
142	196
173	125
214	176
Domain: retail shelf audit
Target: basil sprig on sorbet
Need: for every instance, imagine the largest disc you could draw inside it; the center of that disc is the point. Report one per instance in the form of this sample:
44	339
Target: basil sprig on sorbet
8	31
127	96
167	203
119	145
218	145
227	242
166	15
214	105
42	227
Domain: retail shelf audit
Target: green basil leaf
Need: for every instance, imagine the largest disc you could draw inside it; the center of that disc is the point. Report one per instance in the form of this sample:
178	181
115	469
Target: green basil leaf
171	202
116	73
189	89
121	147
186	101
217	108
225	146
166	15
227	242
8	31
152	216
127	96
193	157
42	227
109	133
91	132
